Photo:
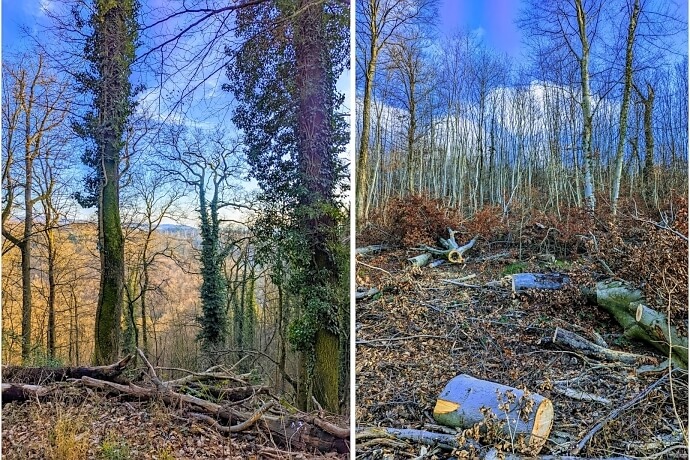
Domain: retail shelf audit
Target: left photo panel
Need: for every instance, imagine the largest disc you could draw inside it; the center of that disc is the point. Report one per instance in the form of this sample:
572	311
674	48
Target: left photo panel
176	229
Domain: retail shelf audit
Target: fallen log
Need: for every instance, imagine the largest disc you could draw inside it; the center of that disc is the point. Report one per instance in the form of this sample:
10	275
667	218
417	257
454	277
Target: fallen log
361	295
12	392
494	454
467	401
429	438
295	431
420	260
451	442
573	341
523	281
371	249
43	375
640	322
657	326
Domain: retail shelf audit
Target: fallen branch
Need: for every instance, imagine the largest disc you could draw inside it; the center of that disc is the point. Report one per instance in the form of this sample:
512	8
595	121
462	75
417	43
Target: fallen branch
565	338
581	395
255	417
445	441
615	413
361	295
407	337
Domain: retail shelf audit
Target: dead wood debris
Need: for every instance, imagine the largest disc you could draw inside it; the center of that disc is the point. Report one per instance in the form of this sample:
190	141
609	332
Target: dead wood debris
495	334
236	408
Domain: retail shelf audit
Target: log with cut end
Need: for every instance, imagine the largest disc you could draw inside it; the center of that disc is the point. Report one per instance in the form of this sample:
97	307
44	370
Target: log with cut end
420	260
452	252
465	401
640	322
657	326
524	281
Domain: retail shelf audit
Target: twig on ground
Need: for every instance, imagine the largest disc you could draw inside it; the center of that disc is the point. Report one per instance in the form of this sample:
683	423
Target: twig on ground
615	413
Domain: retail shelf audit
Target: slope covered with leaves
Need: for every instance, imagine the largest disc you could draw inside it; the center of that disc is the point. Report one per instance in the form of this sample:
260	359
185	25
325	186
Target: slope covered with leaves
422	331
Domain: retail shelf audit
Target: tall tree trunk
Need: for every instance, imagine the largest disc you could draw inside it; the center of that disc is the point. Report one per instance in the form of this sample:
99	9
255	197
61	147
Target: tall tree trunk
590	199
144	312
648	170
317	172
114	51
362	180
625	104
50	237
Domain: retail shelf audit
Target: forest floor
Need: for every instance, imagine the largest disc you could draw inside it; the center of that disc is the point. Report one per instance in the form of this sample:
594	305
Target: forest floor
85	424
421	331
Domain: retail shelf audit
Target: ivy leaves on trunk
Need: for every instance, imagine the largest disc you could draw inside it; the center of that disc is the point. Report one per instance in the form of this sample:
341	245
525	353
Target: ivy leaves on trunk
284	76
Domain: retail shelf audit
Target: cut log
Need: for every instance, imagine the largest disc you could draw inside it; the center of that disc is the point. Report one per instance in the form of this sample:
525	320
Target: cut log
524	281
420	260
573	341
43	375
371	249
657	326
452	252
626	305
467	401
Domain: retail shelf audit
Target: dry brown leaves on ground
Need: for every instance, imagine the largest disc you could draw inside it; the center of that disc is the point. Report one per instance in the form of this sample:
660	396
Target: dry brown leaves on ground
421	332
82	424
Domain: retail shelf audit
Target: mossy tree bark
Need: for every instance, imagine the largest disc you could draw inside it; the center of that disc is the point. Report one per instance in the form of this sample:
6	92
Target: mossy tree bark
111	52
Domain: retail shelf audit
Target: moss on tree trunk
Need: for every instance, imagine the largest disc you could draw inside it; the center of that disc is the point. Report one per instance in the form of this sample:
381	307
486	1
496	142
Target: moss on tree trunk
327	354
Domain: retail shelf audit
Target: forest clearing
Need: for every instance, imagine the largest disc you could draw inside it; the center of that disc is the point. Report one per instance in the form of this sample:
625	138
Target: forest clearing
522	233
425	325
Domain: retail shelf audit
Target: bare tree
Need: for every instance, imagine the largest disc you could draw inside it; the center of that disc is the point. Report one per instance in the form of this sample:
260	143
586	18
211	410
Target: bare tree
378	22
35	108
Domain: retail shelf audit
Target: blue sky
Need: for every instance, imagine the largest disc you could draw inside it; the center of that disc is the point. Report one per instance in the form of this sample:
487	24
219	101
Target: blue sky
493	19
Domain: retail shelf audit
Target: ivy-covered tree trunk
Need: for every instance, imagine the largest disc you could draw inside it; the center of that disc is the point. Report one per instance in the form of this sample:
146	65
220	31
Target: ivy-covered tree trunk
317	175
111	51
214	319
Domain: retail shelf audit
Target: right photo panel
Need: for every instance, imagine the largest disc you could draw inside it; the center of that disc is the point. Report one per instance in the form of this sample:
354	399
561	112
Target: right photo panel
521	204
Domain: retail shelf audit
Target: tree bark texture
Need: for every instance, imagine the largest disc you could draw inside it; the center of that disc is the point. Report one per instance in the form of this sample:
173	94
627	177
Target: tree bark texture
114	48
317	171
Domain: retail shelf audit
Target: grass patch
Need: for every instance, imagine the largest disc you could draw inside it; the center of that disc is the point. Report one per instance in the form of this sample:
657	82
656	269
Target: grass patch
562	264
514	268
68	440
113	448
